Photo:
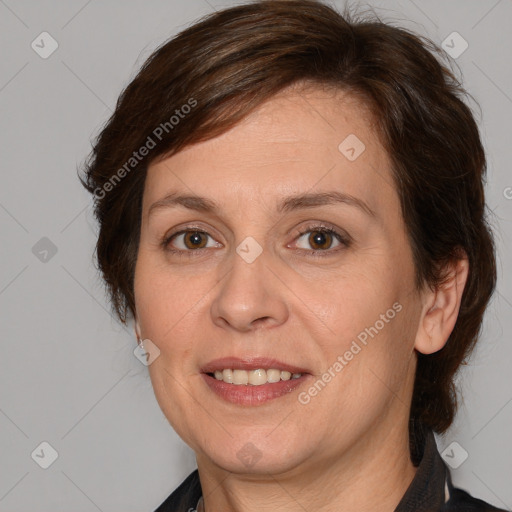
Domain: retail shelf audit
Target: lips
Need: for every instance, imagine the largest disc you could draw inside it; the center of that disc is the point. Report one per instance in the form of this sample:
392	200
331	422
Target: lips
246	394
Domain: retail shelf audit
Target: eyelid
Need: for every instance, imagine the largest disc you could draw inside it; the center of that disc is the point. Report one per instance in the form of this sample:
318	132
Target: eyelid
342	236
167	238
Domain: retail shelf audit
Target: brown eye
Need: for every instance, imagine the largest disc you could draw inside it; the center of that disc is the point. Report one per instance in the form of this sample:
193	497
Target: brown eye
320	240
188	240
195	239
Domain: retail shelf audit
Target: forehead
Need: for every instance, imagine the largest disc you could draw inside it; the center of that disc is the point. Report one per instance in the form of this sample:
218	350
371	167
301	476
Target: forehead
298	141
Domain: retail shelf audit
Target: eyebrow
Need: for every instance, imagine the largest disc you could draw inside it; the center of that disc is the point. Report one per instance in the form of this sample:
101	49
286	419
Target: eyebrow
291	203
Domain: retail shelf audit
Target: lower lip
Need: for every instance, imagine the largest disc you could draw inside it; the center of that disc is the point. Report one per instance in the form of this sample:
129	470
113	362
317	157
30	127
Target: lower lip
252	395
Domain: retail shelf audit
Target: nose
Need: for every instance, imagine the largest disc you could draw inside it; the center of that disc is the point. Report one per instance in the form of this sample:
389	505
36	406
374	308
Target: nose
250	296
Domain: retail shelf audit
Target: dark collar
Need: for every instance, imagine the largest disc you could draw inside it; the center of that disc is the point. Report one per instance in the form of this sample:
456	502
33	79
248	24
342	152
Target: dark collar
427	491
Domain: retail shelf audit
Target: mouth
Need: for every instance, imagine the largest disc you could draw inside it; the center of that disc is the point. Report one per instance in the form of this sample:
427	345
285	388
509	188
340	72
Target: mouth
252	381
256	377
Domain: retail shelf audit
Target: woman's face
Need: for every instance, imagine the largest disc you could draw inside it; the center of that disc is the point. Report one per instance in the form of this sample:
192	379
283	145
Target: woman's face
247	277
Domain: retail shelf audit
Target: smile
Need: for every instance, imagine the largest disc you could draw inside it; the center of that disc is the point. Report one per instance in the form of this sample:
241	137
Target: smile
252	380
253	377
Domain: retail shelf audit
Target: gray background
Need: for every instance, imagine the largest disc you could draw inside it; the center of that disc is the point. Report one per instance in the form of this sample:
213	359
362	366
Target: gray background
68	375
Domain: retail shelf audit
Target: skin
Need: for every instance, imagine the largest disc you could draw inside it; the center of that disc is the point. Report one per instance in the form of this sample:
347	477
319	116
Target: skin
349	445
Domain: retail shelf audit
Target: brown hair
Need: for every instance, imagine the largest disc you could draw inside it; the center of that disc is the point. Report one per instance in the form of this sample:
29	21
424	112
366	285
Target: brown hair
229	63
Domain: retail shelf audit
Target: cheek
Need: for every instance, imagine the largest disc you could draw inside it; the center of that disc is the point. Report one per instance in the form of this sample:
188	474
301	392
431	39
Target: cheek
373	374
164	301
351	304
172	398
371	320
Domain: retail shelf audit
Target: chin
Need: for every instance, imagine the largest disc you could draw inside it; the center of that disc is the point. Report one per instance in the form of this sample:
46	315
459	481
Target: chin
255	455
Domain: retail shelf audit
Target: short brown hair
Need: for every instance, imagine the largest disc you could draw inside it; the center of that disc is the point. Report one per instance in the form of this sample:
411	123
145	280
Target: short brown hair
229	63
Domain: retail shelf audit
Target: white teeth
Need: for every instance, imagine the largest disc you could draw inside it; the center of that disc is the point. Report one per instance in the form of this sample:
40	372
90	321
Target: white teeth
227	376
273	375
254	377
240	377
285	375
257	377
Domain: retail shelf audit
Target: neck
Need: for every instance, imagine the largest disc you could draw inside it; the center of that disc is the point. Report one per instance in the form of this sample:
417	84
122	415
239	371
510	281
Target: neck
372	475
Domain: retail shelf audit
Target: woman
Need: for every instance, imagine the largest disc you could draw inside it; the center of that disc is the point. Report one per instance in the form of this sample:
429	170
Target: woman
291	211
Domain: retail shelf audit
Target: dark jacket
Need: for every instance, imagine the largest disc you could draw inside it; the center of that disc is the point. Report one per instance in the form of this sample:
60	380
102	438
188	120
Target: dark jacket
430	491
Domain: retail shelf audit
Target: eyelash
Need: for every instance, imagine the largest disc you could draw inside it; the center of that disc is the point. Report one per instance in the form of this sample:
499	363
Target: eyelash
322	253
315	253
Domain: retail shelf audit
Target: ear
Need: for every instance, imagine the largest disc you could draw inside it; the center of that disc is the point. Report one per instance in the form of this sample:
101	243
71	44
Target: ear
441	308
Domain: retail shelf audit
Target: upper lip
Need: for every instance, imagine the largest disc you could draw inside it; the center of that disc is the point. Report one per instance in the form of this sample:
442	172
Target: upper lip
250	363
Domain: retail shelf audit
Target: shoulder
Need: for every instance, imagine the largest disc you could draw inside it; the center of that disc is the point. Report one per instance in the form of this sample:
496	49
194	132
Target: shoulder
184	498
461	501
